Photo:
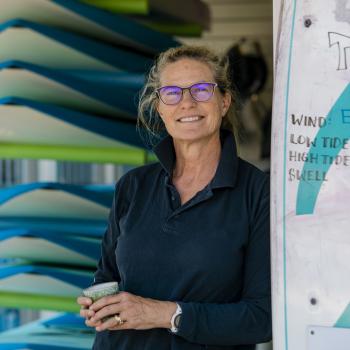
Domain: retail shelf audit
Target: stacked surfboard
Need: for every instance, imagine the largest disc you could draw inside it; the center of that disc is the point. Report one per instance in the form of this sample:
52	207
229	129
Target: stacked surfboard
70	74
50	239
64	331
69	78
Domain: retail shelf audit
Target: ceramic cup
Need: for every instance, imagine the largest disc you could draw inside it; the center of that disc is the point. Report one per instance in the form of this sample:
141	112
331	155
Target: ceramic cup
101	290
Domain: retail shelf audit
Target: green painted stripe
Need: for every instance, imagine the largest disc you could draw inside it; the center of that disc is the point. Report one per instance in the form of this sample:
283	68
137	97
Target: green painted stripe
38	302
130	156
180	29
285	176
140	7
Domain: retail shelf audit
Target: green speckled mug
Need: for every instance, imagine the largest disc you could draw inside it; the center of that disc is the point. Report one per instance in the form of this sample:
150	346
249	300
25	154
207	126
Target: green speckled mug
101	290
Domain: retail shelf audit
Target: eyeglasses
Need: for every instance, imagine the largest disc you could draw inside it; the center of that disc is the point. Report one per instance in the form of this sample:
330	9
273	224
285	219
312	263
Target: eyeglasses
200	92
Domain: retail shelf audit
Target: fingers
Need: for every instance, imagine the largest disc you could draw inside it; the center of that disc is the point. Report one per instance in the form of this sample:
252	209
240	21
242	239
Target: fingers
100	314
106	312
108	300
84	301
86	313
109	323
91	323
115	322
108	309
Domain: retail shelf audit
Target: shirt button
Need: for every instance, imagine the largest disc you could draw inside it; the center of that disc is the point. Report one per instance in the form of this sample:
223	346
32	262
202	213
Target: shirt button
172	198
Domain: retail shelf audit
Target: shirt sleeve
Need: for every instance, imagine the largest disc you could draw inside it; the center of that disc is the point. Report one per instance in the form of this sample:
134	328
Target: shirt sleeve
107	270
247	321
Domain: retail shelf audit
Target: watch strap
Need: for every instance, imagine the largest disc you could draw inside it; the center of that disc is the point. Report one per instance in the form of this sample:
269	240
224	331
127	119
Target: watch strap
175	316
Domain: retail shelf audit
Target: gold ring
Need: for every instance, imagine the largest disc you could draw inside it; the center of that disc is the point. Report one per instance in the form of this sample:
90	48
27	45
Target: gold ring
119	320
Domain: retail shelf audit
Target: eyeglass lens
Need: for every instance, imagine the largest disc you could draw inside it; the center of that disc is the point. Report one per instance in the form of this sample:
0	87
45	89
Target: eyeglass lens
200	92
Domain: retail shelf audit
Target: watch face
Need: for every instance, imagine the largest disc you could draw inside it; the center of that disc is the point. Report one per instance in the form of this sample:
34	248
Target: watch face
177	320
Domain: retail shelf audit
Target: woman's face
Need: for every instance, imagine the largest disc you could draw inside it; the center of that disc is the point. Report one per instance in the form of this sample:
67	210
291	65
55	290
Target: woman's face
190	120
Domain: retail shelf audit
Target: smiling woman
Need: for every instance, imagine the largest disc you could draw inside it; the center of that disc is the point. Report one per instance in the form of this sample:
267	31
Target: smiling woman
188	237
185	118
187	65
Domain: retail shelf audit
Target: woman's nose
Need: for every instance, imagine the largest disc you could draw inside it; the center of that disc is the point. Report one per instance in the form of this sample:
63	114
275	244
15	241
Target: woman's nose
187	98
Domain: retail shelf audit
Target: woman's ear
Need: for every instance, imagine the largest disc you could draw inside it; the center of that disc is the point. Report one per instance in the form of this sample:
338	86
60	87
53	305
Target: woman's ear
226	102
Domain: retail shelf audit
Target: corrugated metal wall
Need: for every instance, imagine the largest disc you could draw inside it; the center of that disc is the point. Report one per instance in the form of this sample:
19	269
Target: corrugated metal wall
20	171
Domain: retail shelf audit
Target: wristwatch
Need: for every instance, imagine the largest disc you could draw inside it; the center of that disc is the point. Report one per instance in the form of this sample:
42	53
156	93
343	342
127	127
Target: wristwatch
175	319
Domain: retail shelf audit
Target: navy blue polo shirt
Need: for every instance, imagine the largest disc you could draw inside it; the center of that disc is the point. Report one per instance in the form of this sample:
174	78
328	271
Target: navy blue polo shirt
210	254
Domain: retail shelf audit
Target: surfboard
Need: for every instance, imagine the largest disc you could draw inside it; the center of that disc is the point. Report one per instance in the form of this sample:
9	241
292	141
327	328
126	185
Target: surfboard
43	280
55	48
32	82
310	187
77	17
36	130
49	247
54	200
62	332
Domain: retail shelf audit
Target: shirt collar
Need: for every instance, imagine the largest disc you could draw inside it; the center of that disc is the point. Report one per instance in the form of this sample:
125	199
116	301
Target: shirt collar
226	173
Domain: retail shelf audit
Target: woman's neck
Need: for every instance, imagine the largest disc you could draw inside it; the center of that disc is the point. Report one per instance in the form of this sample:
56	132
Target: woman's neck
197	161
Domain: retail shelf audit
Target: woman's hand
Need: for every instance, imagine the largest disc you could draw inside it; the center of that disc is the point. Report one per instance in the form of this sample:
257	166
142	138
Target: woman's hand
85	303
135	312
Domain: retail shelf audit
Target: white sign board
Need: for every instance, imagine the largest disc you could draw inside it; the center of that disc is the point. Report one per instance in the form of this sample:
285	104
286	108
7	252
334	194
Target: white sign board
311	171
328	338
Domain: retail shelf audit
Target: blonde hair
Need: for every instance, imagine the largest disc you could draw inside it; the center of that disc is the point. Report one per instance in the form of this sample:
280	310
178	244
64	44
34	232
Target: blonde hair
149	123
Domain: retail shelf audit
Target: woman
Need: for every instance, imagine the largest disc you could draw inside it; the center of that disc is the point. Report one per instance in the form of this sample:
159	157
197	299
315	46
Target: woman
188	238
